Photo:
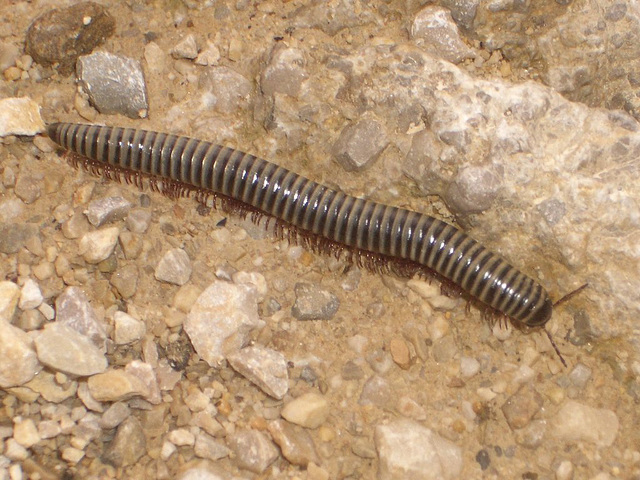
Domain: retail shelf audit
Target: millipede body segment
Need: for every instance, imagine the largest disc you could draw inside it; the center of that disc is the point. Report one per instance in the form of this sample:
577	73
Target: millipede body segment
314	208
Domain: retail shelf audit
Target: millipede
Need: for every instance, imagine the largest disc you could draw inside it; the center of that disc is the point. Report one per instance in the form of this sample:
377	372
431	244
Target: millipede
324	218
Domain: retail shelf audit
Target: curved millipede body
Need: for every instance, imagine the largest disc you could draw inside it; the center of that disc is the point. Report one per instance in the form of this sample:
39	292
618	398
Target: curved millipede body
311	207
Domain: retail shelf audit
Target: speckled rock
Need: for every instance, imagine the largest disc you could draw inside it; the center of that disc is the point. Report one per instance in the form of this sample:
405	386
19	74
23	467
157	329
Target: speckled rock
314	303
360	144
96	246
115	84
229	90
74	310
20	116
174	267
61	35
264	367
221	320
295	443
125	280
284	72
253	450
406	449
309	410
128	445
576	422
520	407
19	361
64	349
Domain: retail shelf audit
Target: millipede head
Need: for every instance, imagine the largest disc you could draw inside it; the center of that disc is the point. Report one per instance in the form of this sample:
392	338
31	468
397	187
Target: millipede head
542	315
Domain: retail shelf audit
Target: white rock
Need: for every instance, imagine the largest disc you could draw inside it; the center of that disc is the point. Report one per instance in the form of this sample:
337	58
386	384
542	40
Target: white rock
469	367
19	362
9	297
221	320
181	437
309	410
127	329
264	367
30	295
63	349
20	116
98	245
576	422
174	267
74	310
408	450
25	432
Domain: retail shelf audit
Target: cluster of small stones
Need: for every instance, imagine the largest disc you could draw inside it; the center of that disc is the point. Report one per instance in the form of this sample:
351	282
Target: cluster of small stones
141	339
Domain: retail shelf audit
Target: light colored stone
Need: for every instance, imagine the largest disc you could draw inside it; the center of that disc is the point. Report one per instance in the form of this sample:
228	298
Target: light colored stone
127	329
181	437
74	310
253	450
116	385
576	422
295	443
174	267
46	385
30	295
309	410
96	246
207	447
9	297
25	432
20	116
107	210
64	349
19	361
264	367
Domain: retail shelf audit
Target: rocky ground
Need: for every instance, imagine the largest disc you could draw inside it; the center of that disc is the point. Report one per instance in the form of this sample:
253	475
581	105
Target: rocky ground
147	337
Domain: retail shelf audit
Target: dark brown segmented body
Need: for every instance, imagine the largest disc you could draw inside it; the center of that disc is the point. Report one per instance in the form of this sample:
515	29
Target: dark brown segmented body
315	208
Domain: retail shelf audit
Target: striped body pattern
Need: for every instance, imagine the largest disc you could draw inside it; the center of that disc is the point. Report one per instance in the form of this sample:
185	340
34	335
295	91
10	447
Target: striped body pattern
311	207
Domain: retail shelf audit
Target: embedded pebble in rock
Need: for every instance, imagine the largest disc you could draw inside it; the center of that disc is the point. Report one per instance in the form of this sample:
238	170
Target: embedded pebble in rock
469	367
532	435
63	349
73	310
408	407
376	391
309	410
207	447
20	116
113	416
30	295
444	349
115	84
19	361
400	352
28	188
264	367
474	189
25	432
107	210
128	445
360	144
576	422
9	298
98	245
221	320
295	443
138	220
406	449
13	236
580	375
313	302
61	35
174	267
127	329
285	71
116	385
125	280
227	90
520	407
253	450
434	30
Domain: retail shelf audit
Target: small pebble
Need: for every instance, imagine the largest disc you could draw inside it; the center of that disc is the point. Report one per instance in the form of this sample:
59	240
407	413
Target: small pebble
309	410
253	450
264	367
295	443
25	432
116	385
400	352
174	267
127	329
98	245
313	302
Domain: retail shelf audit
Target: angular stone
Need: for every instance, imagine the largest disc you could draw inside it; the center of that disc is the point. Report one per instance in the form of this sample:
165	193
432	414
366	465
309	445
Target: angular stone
25	432
314	303
360	144
20	116
253	450
73	310
30	295
19	361
13	236
174	267
128	445
264	367
309	410
125	279
107	210
9	297
127	329
221	319
98	245
295	443
116	385
285	71
207	447
45	384
406	449
114	415
63	349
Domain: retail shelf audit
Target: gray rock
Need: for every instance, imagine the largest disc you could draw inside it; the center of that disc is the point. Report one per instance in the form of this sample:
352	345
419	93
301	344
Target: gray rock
128	445
114	415
20	116
28	188
19	361
174	267
313	302
221	320
138	220
332	17
434	30
96	246
295	443
230	90
360	144
520	407
377	391
61	35
14	236
125	280
73	310
285	71
264	367
253	450
127	329
463	12
207	447
186	48
580	375
474	189
64	349
576	422
107	210
406	449
115	84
